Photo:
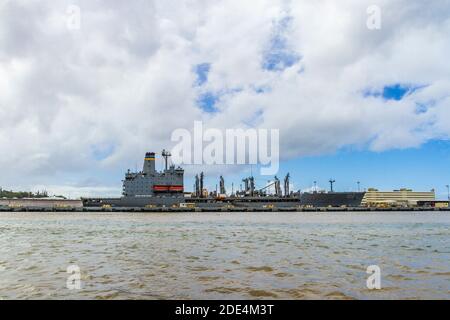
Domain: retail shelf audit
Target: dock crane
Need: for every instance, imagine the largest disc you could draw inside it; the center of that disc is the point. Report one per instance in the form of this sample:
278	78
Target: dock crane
277	185
286	185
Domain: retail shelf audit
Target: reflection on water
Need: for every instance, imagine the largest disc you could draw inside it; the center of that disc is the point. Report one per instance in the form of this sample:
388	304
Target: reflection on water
224	256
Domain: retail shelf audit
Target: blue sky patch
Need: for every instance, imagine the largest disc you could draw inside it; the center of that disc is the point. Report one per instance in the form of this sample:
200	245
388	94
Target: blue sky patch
280	60
421	108
393	92
279	56
202	71
207	102
262	89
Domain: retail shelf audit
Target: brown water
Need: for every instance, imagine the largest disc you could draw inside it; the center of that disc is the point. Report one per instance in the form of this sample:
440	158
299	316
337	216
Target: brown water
224	256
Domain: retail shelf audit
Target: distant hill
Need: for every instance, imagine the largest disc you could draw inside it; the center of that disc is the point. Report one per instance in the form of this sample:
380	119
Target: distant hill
23	194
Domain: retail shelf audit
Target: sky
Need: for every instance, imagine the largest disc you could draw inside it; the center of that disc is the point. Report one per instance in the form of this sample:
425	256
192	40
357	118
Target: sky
87	87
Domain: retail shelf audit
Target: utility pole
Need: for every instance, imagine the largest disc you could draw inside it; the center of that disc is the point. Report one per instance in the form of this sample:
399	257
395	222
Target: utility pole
331	184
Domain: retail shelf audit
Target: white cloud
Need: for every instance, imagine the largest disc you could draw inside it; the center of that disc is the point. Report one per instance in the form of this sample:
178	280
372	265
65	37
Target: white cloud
126	79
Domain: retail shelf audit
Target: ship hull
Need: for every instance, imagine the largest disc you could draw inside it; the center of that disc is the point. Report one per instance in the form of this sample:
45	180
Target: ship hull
335	199
133	202
332	199
246	202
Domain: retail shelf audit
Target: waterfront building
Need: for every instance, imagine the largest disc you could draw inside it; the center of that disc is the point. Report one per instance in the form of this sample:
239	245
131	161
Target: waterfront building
402	197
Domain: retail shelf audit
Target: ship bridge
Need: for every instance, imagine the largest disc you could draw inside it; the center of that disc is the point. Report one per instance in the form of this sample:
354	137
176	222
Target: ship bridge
150	182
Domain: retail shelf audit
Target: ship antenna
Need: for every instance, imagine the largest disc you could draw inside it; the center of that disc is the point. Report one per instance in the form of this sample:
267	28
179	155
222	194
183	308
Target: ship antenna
166	156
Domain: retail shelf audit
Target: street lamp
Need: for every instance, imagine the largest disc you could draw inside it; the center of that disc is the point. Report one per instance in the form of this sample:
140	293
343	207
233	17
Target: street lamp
448	192
332	181
359	184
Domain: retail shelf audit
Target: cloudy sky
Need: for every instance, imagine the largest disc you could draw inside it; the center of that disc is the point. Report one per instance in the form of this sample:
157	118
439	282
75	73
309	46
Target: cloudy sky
79	104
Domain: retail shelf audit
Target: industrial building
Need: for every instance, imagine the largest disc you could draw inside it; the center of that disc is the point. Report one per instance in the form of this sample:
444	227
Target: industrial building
402	197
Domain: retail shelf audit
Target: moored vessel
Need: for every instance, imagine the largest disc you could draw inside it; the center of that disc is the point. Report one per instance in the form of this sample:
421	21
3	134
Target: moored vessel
152	188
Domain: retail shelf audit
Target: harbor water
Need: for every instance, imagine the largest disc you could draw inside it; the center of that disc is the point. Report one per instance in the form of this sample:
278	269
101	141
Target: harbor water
224	255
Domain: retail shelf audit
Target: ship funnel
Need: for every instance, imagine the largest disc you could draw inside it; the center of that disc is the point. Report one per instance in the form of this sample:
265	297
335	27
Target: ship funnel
149	163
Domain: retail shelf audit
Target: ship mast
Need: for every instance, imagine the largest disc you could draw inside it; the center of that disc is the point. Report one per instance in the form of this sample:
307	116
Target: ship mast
166	156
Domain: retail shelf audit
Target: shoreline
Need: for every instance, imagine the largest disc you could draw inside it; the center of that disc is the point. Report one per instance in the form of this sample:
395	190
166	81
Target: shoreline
221	209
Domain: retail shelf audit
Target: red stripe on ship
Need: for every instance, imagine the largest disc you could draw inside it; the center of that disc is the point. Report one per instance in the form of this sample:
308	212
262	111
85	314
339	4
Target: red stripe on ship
161	188
168	188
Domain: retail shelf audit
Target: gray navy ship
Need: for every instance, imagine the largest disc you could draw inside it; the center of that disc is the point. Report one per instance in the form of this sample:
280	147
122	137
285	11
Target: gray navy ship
147	187
152	188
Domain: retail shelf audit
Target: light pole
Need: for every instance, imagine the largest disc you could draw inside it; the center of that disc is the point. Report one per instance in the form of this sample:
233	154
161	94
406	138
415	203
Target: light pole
359	186
331	185
448	192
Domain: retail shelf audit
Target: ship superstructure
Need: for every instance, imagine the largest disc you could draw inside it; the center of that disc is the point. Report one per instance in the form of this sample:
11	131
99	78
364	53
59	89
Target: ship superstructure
151	183
147	187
